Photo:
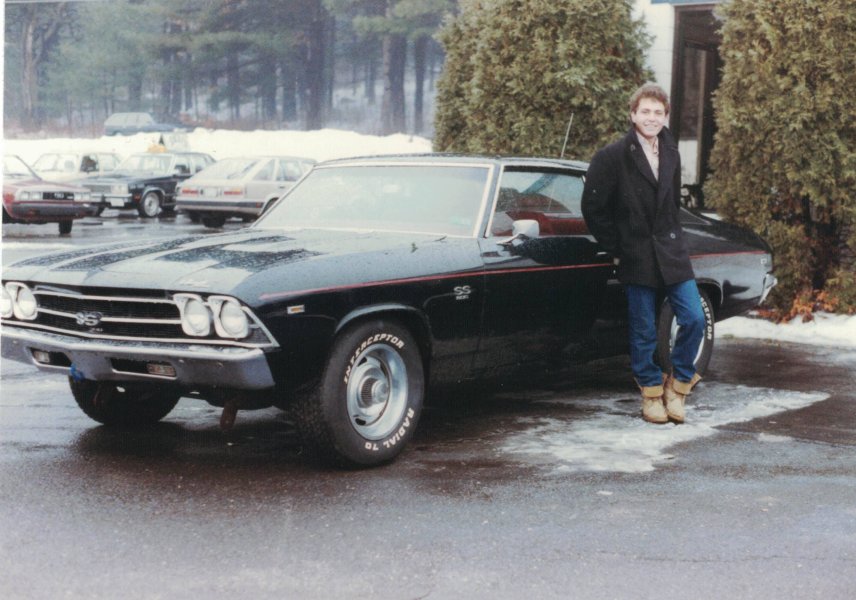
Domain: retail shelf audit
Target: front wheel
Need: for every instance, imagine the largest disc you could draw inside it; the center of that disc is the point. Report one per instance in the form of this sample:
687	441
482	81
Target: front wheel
667	333
65	227
366	406
150	205
123	404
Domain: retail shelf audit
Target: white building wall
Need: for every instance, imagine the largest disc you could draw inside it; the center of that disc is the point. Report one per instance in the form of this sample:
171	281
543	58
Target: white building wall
660	22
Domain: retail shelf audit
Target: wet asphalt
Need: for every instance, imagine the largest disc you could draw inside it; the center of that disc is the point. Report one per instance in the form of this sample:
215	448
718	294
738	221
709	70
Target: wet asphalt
743	507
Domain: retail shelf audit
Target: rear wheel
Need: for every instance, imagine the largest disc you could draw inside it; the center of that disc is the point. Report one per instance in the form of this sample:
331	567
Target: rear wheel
667	333
123	404
213	222
150	205
65	227
365	409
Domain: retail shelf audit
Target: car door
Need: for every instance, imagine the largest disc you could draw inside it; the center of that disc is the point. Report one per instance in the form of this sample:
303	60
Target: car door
262	183
542	294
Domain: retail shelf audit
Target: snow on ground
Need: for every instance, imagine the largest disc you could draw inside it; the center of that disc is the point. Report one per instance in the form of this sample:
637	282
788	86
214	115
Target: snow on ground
613	437
320	145
325	144
823	330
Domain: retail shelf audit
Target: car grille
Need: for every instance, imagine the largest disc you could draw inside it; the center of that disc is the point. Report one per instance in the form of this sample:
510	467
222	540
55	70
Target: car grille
109	316
98	188
57	195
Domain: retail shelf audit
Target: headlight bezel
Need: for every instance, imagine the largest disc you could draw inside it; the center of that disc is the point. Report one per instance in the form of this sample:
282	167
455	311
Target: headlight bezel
218	305
190	305
14	289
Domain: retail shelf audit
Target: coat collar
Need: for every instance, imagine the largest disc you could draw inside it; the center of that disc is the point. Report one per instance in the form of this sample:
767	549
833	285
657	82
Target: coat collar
668	156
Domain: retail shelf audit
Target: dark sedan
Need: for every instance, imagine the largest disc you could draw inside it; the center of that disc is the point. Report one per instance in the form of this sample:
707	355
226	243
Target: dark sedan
29	199
146	181
370	282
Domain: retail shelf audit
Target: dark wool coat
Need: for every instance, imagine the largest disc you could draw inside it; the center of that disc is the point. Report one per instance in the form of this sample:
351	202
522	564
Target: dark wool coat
634	216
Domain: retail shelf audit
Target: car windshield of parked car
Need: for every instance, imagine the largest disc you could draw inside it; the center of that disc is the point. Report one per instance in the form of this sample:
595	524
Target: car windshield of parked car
229	168
435	199
66	163
145	163
15	168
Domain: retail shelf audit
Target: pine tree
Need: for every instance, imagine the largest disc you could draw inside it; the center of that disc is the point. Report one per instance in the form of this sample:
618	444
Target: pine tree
517	70
784	158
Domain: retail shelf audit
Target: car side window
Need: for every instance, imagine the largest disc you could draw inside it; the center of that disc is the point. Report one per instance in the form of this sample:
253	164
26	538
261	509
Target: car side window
289	170
553	198
266	172
182	167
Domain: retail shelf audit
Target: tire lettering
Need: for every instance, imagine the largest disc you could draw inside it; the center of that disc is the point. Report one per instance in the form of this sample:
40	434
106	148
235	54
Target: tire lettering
372	339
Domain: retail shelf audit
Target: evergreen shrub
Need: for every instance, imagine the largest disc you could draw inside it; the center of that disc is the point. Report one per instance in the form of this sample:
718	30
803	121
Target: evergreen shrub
784	158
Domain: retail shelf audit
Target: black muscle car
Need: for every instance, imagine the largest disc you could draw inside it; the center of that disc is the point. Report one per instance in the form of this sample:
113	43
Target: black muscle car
369	282
145	181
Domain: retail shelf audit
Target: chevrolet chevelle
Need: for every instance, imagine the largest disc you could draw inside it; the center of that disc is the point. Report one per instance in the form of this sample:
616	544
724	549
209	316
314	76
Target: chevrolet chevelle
370	282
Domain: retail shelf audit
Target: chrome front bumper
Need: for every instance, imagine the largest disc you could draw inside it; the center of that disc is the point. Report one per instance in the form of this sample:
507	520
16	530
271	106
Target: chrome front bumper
106	360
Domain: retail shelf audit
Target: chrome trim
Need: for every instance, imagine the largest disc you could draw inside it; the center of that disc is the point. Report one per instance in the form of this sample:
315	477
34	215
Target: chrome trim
227	367
118	338
58	313
111	298
770	282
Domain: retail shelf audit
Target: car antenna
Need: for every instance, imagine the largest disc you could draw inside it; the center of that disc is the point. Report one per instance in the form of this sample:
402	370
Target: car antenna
567	133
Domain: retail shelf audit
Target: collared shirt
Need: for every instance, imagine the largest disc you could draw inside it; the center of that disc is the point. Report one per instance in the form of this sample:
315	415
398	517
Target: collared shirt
652	153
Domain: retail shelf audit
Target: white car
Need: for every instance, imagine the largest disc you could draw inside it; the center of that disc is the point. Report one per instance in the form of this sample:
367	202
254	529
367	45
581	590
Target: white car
68	166
242	187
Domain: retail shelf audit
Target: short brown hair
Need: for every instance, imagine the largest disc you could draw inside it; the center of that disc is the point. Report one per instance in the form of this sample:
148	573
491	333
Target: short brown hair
649	90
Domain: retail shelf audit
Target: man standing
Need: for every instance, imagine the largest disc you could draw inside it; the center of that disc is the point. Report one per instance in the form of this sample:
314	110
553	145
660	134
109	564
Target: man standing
631	206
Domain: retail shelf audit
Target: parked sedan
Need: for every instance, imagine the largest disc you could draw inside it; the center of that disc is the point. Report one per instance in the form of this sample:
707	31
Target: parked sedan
29	199
146	181
369	283
70	166
239	187
129	123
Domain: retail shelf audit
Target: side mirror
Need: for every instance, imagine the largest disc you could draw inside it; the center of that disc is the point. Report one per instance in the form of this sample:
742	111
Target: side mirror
521	231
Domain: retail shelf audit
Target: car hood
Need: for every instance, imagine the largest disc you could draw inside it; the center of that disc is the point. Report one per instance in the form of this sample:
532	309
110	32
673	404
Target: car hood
40	185
253	264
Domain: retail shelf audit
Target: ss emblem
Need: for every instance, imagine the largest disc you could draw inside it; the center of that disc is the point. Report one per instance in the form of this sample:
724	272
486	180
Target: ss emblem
88	318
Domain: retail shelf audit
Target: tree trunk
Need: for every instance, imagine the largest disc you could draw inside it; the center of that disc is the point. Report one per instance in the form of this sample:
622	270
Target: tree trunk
233	84
392	112
420	46
267	87
289	91
315	62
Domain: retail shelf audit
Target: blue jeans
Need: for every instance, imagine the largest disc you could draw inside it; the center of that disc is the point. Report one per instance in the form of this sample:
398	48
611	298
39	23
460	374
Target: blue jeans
642	310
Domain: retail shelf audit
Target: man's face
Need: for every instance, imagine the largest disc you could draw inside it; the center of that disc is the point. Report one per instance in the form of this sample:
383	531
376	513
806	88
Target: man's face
649	118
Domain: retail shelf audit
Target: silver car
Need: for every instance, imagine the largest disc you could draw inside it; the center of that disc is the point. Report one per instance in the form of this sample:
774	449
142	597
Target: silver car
68	166
239	187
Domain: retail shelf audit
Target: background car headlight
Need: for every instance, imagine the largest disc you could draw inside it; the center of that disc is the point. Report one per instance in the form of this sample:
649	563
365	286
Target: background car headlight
23	195
231	320
6	308
119	188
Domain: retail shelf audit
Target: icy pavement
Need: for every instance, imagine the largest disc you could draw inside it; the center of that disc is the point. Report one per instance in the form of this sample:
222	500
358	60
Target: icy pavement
615	438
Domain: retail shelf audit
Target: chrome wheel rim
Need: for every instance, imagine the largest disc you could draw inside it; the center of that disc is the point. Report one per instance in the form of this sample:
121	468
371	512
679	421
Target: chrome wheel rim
377	392
151	204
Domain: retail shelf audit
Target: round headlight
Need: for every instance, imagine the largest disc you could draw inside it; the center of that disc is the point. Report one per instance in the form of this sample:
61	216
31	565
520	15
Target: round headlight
196	319
232	320
6	308
25	305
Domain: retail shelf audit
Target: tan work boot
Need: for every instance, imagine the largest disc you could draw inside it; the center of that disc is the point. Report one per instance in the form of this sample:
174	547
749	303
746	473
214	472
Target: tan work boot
675	396
653	409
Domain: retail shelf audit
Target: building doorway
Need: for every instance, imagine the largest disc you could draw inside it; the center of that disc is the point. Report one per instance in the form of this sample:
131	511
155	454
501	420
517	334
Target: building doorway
696	74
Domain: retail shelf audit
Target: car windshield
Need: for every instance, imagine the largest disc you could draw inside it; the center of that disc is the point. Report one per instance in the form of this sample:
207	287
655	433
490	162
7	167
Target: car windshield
441	199
15	168
56	162
146	163
229	168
